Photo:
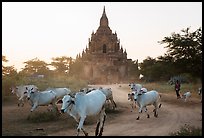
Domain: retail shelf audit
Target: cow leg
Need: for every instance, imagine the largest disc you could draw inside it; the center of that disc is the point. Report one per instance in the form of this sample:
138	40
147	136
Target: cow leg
113	102
97	127
85	133
102	120
155	113
145	108
131	107
80	126
101	131
20	102
35	105
140	111
108	103
156	110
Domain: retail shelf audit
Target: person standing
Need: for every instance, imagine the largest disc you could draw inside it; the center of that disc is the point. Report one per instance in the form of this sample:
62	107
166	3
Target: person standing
177	88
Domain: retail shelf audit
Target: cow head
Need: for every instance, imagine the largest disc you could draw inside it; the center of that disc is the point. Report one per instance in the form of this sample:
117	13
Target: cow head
67	101
199	91
29	91
13	89
132	86
136	95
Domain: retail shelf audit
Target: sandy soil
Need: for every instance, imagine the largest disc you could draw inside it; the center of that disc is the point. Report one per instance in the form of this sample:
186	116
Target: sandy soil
173	114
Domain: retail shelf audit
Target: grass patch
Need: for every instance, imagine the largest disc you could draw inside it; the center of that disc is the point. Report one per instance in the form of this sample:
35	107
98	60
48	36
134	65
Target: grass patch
187	130
38	117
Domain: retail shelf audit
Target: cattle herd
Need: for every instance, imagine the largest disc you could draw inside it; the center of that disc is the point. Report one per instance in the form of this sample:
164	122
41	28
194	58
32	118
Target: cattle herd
89	101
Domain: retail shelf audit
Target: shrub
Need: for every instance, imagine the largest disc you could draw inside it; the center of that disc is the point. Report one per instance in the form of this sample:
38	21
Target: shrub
187	130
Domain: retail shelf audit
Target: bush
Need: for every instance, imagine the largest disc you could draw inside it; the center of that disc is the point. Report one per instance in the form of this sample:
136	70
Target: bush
180	78
187	130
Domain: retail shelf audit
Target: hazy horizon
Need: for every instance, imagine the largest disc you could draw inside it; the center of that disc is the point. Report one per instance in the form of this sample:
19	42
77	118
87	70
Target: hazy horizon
54	29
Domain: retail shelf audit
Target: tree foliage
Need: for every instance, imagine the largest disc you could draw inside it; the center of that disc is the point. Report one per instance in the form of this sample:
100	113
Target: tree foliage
35	66
186	50
61	64
9	74
76	68
7	70
183	56
133	70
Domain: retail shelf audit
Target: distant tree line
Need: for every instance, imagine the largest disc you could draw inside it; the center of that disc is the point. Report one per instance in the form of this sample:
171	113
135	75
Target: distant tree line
183	57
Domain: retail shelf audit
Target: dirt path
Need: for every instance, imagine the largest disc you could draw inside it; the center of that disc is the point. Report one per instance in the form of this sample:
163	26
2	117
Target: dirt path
171	117
173	114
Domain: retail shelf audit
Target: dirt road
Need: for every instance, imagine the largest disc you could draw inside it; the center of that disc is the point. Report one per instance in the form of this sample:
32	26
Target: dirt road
173	114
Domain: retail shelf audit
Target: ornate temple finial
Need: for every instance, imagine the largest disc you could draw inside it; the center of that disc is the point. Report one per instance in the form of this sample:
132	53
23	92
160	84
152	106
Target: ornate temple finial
104	11
104	19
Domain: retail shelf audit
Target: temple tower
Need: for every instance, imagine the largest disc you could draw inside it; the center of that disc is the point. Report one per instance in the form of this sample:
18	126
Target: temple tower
104	59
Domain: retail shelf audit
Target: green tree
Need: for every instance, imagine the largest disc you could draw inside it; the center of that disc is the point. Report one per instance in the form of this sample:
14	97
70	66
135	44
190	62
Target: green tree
7	70
61	64
146	68
133	70
9	74
76	68
35	66
186	50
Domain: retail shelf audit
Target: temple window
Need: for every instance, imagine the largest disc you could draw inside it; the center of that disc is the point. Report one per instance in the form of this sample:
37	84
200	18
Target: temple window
104	48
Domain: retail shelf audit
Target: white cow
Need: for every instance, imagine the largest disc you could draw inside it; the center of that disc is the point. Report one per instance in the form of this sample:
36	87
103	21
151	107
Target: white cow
87	90
43	98
186	96
83	105
135	87
149	98
60	92
132	101
109	96
107	91
200	93
143	90
20	92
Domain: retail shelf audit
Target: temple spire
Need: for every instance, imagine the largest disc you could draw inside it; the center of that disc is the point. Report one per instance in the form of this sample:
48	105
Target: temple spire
104	19
104	11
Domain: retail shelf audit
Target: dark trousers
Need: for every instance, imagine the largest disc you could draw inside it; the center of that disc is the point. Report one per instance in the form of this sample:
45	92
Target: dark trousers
177	93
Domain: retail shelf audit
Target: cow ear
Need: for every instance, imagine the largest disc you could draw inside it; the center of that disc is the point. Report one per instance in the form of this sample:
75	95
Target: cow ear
72	102
59	101
72	95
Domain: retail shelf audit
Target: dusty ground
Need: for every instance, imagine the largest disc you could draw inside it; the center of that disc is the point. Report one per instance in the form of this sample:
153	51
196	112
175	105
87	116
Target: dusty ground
173	114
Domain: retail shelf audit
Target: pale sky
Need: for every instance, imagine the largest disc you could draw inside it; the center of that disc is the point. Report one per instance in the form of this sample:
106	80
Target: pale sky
54	29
